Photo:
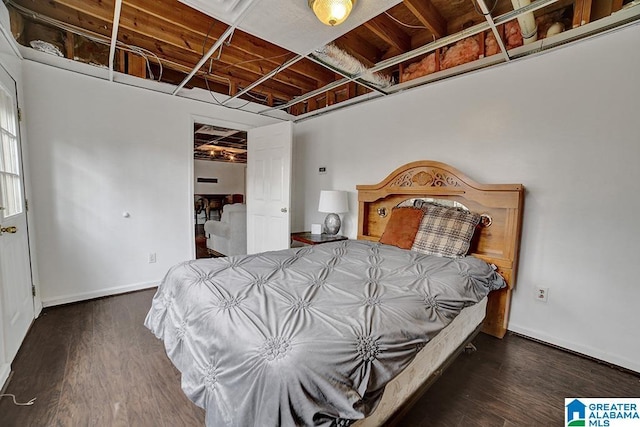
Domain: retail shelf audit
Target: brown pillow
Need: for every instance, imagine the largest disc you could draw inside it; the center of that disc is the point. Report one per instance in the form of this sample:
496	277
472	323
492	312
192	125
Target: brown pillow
402	227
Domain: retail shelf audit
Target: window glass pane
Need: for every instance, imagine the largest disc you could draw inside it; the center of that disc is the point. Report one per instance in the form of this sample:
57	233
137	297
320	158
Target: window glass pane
11	195
13	161
2	155
9	157
6	153
4	119
7	112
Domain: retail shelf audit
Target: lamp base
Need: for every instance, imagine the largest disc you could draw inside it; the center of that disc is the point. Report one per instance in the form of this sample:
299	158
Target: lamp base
332	224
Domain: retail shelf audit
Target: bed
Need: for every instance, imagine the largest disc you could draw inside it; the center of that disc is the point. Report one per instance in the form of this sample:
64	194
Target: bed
312	335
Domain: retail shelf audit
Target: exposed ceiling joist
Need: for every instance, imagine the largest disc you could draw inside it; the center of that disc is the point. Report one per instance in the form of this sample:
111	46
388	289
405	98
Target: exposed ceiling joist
166	40
265	78
427	13
359	48
162	33
385	28
205	58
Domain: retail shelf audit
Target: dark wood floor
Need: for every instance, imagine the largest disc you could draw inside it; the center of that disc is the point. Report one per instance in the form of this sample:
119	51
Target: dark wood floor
201	242
95	364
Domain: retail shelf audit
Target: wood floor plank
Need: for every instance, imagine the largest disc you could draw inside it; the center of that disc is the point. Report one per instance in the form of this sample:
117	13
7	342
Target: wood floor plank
41	362
521	381
446	412
109	405
95	364
517	400
482	419
179	409
44	388
77	392
139	390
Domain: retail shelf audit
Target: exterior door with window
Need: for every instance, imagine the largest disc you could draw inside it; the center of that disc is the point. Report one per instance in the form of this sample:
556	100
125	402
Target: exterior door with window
15	264
269	187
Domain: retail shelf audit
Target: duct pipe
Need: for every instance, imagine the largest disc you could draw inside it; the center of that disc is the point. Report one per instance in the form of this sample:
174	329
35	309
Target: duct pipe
527	22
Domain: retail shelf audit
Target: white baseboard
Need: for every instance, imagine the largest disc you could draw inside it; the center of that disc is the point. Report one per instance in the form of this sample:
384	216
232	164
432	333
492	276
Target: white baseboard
579	348
65	299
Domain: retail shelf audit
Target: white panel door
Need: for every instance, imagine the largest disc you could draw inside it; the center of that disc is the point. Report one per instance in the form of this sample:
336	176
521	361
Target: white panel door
15	263
269	187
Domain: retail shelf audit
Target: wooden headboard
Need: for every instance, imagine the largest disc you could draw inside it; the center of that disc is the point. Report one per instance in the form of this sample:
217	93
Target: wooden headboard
497	243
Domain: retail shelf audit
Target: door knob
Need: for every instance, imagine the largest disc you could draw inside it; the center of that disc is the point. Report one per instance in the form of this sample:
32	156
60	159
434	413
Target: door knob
11	230
283	210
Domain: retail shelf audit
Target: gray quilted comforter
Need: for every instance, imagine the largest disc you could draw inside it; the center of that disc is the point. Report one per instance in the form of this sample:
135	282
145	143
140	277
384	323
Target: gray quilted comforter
306	336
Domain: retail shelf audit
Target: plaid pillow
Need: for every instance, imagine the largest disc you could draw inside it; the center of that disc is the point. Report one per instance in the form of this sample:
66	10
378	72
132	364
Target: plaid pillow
445	231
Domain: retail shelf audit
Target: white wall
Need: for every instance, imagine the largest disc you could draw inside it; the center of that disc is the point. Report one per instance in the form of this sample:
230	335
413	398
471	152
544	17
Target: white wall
97	150
565	124
231	177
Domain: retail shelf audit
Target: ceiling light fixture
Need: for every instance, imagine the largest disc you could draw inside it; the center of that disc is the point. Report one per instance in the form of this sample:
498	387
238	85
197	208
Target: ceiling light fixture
332	12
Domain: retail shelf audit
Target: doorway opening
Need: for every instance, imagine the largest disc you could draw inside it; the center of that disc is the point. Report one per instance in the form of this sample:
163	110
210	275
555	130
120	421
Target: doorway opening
220	164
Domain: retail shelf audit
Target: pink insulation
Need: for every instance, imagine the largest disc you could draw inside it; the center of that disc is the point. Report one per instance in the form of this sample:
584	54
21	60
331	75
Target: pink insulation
490	45
466	50
512	36
421	68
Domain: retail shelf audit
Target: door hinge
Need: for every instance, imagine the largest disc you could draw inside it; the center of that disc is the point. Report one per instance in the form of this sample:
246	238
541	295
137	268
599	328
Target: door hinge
33	290
26	205
19	114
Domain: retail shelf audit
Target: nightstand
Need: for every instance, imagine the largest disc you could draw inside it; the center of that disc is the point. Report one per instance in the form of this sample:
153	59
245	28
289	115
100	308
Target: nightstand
316	239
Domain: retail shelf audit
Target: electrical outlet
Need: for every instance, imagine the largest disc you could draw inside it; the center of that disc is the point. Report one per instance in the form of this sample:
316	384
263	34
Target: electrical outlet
152	257
542	294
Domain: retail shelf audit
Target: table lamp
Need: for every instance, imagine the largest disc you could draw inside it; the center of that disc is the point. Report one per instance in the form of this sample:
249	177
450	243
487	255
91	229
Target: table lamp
333	202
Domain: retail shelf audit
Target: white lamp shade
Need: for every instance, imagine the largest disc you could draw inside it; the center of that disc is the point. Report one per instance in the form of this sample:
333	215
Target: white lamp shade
332	201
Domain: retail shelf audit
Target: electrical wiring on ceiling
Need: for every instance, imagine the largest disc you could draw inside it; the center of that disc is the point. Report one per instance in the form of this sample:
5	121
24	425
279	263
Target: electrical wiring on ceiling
475	6
417	27
235	64
142	52
95	37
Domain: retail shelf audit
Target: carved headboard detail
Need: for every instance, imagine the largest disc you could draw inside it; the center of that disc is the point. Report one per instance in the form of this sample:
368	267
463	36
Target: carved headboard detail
426	177
497	243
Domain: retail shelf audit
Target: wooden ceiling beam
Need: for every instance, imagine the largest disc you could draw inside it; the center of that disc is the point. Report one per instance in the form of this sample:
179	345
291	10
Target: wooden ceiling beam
181	16
184	63
96	23
248	60
386	28
174	76
469	17
177	72
359	49
138	23
171	56
428	15
392	52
